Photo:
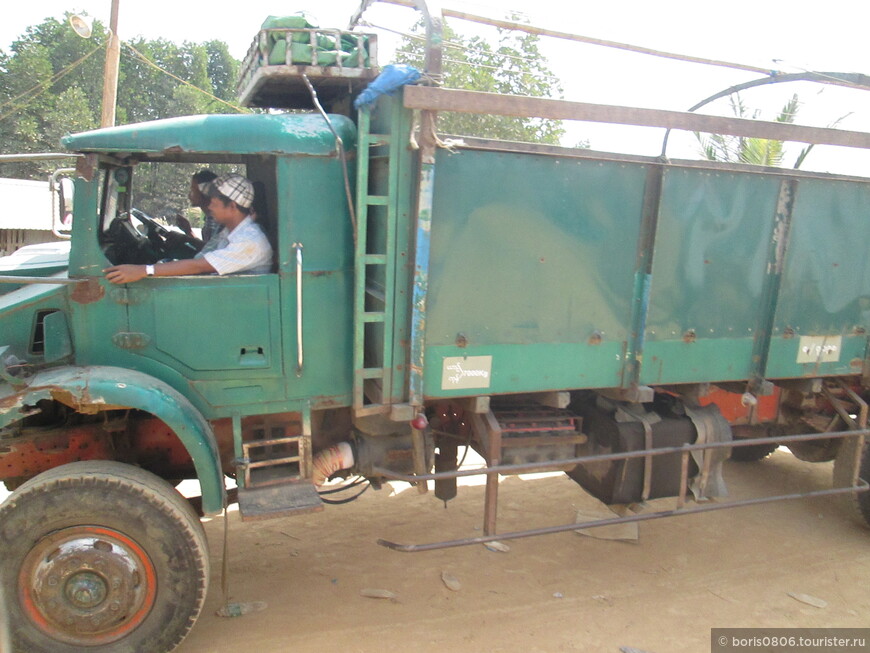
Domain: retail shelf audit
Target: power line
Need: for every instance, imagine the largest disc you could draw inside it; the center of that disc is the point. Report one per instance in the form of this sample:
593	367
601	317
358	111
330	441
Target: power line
34	92
40	88
452	44
531	29
154	65
461	46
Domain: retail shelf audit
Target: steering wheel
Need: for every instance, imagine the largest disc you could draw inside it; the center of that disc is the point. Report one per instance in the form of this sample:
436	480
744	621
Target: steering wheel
166	241
151	223
124	243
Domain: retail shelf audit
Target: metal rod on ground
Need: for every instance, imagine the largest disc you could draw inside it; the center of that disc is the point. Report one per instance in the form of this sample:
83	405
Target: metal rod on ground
413	548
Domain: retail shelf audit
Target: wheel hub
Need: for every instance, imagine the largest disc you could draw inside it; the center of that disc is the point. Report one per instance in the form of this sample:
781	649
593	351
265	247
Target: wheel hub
87	585
86	590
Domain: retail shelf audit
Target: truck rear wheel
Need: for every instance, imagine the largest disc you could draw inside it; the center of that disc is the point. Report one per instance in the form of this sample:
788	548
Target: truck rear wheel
815	451
752	452
859	503
99	556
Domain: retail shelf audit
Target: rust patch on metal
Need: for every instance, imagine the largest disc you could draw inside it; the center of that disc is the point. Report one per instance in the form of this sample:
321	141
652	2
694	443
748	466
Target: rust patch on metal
27	458
85	166
88	291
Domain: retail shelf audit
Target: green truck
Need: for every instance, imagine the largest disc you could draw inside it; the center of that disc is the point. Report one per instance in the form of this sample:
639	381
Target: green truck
629	320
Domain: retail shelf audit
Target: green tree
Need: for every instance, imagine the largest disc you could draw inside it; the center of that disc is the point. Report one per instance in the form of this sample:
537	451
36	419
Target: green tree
44	95
37	104
512	65
752	150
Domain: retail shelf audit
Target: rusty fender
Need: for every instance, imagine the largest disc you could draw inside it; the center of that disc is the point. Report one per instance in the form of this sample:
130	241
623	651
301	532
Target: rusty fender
94	389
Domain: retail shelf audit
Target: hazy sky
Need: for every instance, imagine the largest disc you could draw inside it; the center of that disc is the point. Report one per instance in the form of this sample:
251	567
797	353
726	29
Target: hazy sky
800	35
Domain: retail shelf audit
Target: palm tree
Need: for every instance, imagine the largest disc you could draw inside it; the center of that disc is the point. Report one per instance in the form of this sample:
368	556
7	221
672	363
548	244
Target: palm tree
757	151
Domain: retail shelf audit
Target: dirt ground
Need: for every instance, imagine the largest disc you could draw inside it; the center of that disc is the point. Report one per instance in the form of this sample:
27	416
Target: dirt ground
565	592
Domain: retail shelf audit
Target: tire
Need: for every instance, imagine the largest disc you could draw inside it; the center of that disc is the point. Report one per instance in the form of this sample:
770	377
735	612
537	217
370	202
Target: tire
5	642
857	504
753	452
99	556
815	451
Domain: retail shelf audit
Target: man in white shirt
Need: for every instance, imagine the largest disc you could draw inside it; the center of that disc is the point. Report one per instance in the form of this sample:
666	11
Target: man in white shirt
241	246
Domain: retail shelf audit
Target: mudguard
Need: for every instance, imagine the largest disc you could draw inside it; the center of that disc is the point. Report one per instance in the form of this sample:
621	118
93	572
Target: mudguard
94	389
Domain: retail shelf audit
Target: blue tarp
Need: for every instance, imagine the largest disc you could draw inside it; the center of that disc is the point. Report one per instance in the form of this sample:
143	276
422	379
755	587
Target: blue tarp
392	78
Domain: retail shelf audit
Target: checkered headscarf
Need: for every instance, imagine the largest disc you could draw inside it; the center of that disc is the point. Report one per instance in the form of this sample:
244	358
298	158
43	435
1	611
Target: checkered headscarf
234	187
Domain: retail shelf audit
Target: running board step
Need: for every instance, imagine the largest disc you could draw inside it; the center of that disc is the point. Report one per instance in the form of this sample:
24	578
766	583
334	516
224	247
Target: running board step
278	501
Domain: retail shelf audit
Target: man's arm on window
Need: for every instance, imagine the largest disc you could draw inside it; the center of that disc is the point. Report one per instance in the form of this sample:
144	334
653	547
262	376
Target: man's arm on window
131	273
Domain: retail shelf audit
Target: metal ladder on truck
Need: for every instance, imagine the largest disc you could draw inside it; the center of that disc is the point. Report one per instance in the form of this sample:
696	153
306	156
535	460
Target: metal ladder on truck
382	264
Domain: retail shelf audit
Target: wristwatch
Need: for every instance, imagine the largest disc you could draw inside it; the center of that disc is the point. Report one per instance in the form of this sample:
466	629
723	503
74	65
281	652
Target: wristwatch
149	270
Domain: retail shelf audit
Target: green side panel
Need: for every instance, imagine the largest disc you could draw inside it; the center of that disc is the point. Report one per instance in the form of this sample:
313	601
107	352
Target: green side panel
236	341
328	341
708	274
826	282
782	361
58	340
551	366
189	329
85	257
314	213
533	254
706	359
18	311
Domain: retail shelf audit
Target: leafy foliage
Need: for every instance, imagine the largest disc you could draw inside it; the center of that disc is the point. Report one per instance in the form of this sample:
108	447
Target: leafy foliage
756	151
43	95
512	65
37	105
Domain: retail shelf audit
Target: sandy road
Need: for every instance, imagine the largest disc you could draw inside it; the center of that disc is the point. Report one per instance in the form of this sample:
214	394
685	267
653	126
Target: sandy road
565	592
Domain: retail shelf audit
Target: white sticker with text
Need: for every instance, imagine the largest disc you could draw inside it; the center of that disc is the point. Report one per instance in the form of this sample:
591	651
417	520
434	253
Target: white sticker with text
465	372
819	349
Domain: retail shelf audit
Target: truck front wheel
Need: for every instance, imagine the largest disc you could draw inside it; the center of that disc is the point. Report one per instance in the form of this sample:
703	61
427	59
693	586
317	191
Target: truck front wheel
99	556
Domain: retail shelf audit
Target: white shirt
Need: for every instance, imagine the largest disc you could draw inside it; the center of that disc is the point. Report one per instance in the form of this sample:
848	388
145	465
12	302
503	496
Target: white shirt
244	249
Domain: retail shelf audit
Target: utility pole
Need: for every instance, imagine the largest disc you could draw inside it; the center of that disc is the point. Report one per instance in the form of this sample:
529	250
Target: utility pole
110	72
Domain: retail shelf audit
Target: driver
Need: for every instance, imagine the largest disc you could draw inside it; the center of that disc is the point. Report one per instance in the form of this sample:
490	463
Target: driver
240	246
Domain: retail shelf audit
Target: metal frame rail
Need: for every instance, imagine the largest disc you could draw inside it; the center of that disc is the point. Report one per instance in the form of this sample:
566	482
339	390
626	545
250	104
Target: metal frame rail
32	281
492	472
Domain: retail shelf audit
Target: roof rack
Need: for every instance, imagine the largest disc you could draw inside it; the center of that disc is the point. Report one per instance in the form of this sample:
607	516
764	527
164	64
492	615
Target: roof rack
338	63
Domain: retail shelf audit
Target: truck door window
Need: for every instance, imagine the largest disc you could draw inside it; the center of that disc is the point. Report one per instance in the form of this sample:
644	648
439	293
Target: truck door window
115	183
124	237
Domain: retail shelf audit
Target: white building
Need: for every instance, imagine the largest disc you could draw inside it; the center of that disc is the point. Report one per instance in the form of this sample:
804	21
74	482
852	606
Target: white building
30	211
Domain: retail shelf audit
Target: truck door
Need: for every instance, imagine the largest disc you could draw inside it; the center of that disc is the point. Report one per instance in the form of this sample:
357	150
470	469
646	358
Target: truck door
220	333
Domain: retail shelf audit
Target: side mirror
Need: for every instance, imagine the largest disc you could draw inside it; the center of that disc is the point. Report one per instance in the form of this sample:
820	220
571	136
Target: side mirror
61	219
